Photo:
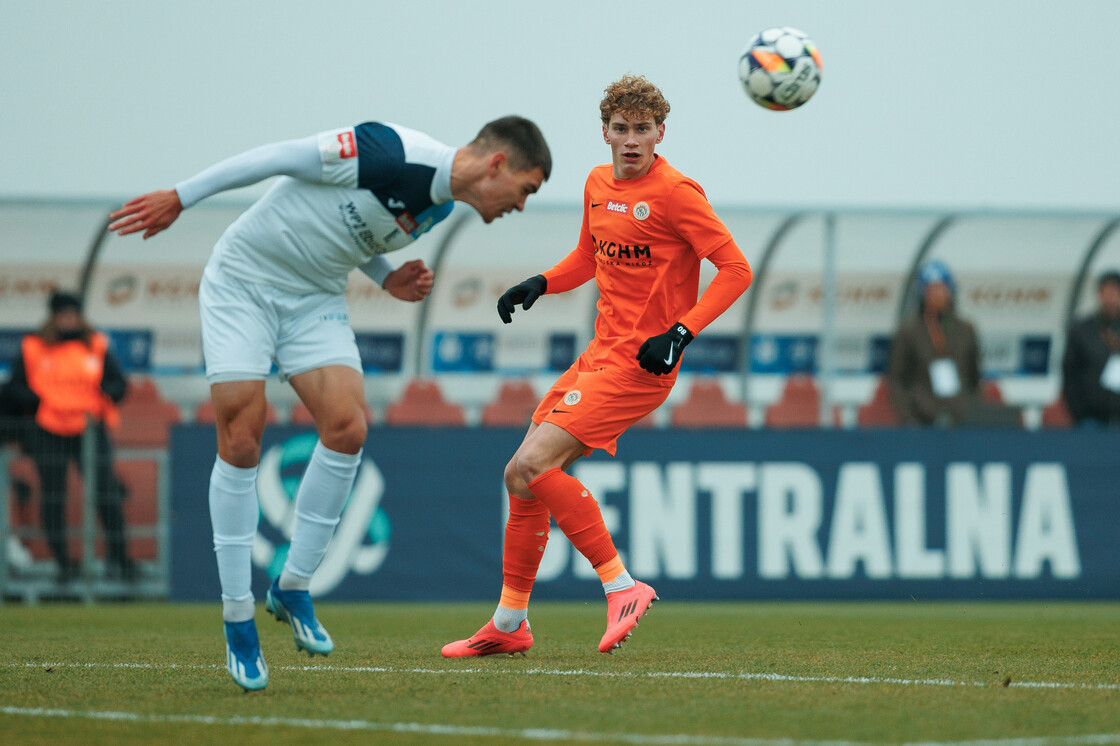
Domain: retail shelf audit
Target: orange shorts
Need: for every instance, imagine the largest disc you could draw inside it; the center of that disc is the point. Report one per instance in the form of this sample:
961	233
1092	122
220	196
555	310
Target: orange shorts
597	406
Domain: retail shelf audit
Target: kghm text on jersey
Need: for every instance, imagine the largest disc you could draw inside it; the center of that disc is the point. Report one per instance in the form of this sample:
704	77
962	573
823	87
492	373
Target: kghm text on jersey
619	251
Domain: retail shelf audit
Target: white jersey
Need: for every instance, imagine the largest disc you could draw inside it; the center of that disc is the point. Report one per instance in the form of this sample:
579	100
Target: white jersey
381	187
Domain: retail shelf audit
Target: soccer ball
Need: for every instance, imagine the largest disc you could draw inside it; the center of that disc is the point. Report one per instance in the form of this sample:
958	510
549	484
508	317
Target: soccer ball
780	68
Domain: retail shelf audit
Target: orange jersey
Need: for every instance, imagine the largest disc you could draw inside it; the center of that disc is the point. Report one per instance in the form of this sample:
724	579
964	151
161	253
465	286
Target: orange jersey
642	239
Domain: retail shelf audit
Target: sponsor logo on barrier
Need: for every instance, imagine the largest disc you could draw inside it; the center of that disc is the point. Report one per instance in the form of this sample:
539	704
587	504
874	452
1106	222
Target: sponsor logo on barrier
870	532
361	541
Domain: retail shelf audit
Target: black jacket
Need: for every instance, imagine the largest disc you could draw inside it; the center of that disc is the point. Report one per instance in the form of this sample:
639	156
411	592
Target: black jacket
1089	343
912	352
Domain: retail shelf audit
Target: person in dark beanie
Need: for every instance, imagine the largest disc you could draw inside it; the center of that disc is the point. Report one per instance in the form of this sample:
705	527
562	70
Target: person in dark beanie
934	371
1091	362
64	378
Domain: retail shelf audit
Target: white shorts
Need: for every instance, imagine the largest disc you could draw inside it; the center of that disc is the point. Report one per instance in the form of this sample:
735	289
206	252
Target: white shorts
248	326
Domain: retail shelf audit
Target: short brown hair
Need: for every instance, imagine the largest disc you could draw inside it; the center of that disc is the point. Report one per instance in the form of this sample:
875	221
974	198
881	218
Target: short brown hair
633	96
520	138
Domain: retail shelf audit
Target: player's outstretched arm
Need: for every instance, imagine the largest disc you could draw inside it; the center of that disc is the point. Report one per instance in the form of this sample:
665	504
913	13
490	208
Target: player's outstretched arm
151	213
155	211
412	281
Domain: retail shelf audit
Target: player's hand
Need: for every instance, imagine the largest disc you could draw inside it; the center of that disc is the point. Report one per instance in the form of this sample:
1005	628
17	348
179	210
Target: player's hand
525	293
412	281
151	213
660	354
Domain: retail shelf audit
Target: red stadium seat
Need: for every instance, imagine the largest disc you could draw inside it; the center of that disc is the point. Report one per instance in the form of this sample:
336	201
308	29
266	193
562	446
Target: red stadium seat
1056	414
423	404
990	391
879	411
141	507
707	406
146	417
800	405
512	407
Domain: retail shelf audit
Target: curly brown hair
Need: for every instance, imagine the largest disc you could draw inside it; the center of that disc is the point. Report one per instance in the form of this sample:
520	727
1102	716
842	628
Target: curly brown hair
633	96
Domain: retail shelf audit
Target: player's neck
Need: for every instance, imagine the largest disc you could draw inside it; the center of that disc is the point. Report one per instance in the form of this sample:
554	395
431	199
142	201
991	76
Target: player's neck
467	170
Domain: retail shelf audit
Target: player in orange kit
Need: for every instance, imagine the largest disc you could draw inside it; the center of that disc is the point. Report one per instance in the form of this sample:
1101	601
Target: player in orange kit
645	229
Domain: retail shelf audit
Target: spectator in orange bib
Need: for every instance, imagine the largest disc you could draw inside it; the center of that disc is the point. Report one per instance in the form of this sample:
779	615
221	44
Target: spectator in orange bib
645	229
65	377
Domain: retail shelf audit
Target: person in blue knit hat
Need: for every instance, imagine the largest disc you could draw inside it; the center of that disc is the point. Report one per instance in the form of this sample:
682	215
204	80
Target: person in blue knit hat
934	371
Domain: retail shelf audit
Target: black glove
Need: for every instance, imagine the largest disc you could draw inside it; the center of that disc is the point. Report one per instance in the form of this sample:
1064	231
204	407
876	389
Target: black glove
660	354
525	293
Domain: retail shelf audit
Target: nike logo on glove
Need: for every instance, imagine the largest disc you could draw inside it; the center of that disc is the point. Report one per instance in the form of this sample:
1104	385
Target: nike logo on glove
672	352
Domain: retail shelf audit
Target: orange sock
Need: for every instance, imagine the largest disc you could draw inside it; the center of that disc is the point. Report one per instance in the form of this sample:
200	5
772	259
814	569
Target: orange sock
513	598
576	513
526	538
610	569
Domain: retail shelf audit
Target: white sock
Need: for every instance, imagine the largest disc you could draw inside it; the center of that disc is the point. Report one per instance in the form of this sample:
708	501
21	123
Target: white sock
322	495
508	620
620	583
234	514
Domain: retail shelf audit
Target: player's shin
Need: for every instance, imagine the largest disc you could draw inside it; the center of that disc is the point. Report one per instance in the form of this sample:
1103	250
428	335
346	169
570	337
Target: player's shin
577	514
525	539
322	495
233	518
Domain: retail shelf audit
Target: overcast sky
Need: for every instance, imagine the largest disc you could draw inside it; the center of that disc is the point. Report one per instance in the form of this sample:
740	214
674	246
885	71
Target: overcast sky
947	104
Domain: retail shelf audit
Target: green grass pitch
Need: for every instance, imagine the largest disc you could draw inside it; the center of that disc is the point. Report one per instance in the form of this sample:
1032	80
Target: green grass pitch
727	674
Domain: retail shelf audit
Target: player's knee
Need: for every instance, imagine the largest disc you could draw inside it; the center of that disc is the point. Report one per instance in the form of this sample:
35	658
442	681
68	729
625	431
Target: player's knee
515	485
345	435
530	466
241	448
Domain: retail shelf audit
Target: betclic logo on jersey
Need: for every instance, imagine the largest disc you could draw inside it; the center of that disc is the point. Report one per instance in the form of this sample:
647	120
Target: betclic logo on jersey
347	147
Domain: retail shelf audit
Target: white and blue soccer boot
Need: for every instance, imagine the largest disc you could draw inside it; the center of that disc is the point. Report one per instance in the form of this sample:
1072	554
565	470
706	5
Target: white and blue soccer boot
294	607
243	656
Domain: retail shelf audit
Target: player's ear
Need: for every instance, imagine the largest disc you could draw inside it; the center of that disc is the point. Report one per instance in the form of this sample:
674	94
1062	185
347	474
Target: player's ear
660	132
606	139
494	165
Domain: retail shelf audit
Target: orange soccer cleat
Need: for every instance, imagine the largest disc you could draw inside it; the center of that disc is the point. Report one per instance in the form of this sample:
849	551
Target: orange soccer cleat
491	641
624	609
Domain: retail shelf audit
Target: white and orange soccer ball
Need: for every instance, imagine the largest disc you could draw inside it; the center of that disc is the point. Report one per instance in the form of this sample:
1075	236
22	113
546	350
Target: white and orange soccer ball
780	69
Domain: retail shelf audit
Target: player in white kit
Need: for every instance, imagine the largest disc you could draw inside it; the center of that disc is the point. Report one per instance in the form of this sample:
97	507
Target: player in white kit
273	291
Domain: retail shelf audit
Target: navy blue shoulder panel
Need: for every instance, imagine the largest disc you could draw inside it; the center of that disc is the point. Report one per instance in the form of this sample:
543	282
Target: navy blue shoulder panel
400	186
380	154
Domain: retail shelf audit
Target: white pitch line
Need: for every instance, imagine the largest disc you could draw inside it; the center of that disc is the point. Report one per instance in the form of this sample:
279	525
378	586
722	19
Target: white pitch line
728	675
523	734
